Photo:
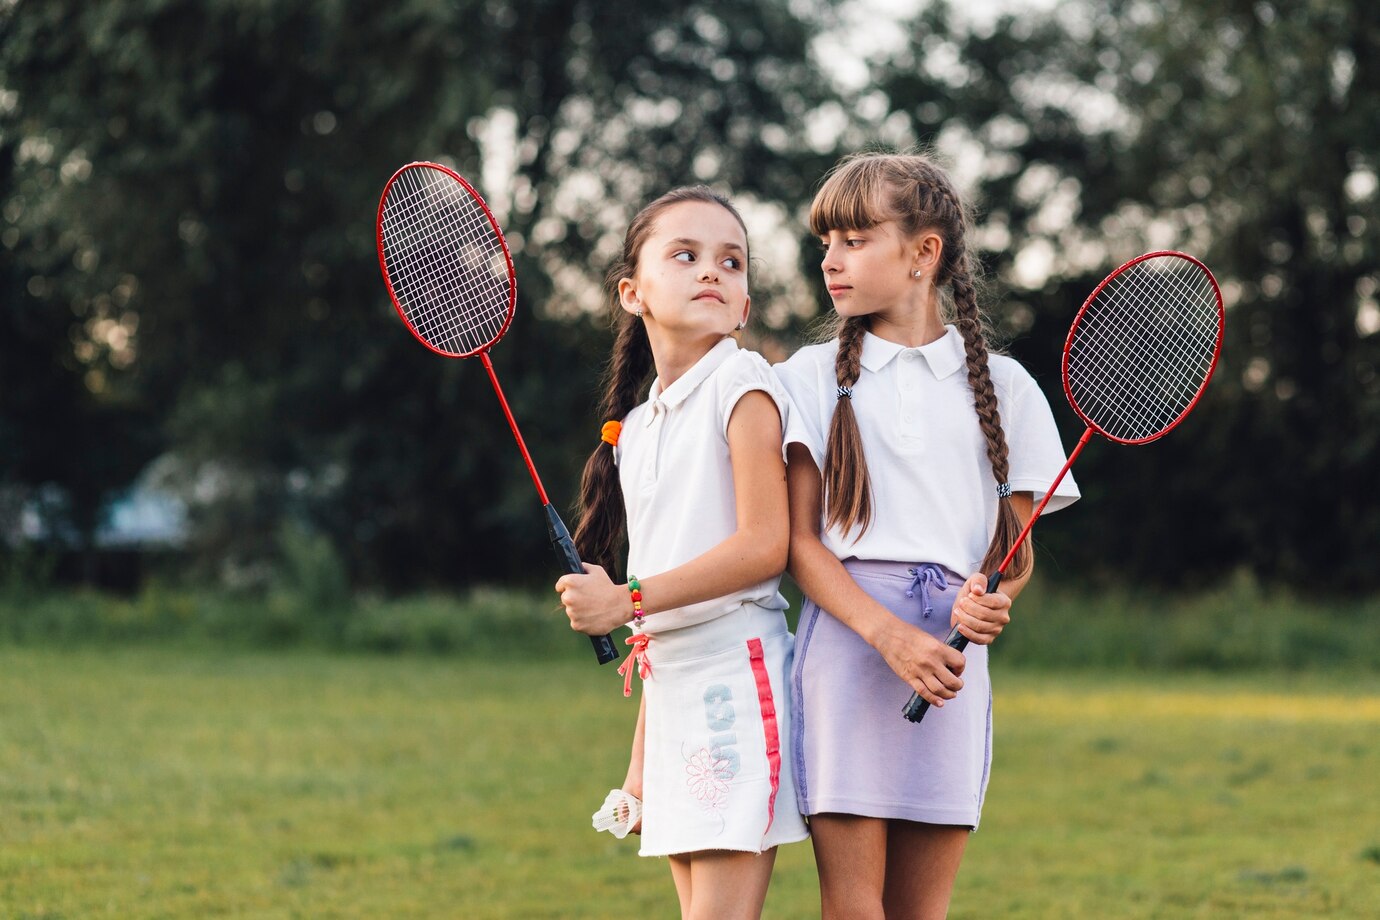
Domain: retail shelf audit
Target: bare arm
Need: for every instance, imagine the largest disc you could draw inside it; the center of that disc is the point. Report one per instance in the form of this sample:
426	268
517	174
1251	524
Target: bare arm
753	553
633	781
928	665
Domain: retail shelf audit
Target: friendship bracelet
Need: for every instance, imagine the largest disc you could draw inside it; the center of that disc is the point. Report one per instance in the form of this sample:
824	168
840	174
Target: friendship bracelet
635	588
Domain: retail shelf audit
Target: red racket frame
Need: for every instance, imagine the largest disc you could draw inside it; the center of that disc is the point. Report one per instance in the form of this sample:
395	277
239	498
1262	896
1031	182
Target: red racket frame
564	546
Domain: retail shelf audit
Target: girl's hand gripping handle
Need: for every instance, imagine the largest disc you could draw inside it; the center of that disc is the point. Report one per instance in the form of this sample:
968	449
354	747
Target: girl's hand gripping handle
604	649
917	707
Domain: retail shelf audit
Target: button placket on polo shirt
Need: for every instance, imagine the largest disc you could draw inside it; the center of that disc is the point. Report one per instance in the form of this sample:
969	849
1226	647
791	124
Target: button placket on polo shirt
656	426
908	372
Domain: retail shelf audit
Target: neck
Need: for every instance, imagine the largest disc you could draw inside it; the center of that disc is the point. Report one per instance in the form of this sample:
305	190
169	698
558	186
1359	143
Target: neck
919	327
912	322
674	356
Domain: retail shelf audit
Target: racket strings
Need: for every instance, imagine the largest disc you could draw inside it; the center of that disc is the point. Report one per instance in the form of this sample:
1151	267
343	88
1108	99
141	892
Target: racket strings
1144	348
446	262
453	261
457	297
1144	387
1131	395
1123	380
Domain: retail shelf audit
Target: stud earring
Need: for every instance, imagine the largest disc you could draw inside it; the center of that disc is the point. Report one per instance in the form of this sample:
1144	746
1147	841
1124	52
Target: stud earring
739	327
638	314
916	273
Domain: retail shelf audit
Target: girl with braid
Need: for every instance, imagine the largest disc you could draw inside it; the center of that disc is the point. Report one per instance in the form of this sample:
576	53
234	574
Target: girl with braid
914	463
696	474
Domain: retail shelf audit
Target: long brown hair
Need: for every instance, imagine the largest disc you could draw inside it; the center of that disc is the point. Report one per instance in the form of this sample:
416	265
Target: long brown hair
863	191
603	518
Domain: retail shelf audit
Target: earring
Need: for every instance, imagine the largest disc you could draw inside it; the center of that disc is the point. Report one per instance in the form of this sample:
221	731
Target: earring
638	314
916	273
739	327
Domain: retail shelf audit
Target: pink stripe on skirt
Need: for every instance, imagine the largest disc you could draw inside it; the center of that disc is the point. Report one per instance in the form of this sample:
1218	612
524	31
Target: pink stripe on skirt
764	698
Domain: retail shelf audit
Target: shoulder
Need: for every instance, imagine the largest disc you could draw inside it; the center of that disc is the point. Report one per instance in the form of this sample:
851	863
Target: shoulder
809	363
742	373
820	355
1009	376
745	366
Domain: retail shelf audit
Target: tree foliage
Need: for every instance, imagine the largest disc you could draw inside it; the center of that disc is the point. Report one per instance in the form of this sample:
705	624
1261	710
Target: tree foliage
187	192
1247	134
189	206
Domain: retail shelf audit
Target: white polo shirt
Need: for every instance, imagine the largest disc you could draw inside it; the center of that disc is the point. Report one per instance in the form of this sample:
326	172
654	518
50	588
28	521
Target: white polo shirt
677	479
934	498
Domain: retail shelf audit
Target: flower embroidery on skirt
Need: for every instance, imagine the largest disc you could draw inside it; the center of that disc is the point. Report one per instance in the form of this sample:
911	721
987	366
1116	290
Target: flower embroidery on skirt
707	775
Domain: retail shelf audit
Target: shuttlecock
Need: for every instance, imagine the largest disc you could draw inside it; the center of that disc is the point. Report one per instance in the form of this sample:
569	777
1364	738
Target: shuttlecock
619	813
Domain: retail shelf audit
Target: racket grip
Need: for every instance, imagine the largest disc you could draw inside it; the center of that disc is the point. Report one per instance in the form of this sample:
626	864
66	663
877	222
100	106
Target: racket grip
915	710
604	649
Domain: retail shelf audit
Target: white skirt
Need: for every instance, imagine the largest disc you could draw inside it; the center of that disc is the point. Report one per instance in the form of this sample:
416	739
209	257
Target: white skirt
717	773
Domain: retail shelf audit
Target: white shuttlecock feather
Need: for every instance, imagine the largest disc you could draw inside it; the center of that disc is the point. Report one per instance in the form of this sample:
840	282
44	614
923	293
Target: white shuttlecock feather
619	813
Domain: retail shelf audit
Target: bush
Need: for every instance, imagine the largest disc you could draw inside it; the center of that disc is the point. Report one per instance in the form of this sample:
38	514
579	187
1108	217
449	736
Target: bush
485	621
1239	626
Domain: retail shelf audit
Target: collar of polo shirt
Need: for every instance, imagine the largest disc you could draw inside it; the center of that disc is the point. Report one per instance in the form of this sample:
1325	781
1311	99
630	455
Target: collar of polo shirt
944	355
676	393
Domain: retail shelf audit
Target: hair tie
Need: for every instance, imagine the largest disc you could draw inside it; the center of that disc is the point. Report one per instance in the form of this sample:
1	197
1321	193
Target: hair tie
609	433
1004	490
845	393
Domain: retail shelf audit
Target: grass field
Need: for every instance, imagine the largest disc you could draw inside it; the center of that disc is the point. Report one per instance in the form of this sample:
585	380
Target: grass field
163	782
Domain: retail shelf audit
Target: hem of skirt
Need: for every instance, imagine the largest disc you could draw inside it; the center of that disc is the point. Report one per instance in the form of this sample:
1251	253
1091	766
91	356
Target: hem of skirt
804	835
962	817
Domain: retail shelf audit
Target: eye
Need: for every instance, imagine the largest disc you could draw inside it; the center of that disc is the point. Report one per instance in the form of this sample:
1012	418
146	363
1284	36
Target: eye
733	262
684	255
853	242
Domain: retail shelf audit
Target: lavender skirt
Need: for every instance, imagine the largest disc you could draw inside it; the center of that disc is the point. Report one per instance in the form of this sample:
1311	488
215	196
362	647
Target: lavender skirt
854	752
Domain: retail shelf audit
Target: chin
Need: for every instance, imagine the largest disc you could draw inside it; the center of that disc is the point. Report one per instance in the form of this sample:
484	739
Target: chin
850	308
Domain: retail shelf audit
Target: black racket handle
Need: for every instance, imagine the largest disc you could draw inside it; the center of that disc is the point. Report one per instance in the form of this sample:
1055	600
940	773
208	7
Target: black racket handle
917	707
604	649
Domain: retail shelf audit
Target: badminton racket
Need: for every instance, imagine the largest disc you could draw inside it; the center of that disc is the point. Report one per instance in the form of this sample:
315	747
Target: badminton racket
1137	358
450	276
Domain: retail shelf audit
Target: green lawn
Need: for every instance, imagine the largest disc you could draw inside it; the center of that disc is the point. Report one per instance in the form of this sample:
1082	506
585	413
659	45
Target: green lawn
158	782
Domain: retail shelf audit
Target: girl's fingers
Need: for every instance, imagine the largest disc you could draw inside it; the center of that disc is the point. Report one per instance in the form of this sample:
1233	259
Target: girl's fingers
566	582
991	608
939	685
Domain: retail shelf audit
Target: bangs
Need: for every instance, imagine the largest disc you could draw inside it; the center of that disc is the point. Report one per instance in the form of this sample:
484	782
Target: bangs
852	198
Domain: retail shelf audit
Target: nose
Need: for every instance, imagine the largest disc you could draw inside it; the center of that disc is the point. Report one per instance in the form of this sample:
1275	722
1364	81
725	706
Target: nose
830	262
709	271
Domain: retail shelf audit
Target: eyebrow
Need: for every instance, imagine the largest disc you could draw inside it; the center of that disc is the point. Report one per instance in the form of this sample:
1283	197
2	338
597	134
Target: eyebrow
686	241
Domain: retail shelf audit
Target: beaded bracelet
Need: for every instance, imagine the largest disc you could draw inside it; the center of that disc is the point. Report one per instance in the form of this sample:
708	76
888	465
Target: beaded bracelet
635	588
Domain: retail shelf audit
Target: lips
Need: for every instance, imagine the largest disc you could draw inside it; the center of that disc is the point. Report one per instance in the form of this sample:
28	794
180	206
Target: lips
837	289
708	295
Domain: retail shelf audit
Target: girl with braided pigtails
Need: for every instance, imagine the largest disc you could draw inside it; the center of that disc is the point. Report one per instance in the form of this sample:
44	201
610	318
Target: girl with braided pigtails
916	458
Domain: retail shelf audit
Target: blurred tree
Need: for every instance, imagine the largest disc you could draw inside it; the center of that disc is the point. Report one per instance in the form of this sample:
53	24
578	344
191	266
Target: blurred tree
1248	134
188	206
57	424
187	192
